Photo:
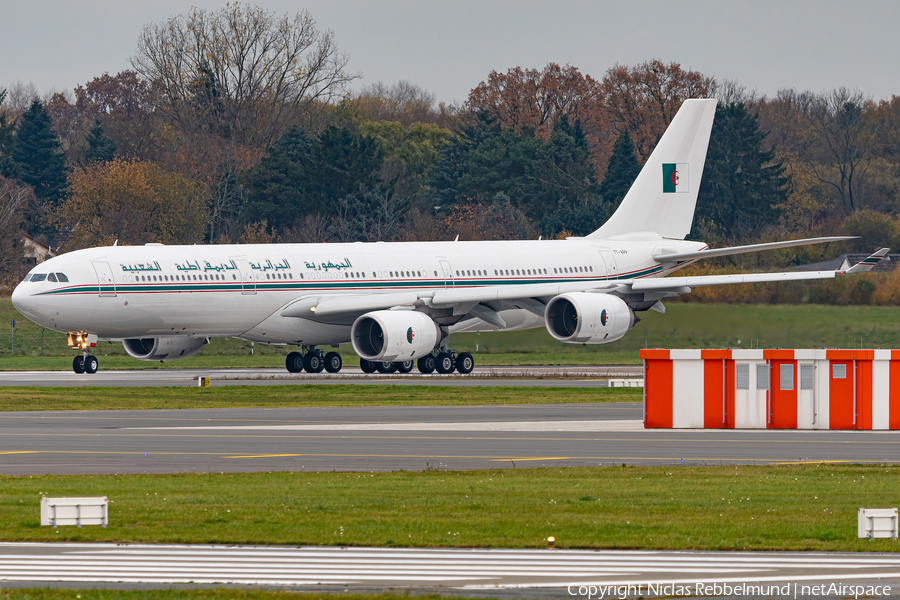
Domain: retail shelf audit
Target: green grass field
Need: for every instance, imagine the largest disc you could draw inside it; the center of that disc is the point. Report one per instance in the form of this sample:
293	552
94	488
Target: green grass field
117	398
805	507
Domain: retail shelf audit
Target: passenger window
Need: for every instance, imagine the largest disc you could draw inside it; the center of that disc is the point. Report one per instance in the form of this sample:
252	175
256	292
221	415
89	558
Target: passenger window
62	277
51	277
591	268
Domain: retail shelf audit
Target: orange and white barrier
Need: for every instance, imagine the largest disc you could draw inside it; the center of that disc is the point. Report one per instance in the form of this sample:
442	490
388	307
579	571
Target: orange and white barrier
771	389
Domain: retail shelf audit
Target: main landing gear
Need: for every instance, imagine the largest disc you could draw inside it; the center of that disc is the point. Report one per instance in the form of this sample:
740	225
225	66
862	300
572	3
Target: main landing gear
87	363
314	361
444	362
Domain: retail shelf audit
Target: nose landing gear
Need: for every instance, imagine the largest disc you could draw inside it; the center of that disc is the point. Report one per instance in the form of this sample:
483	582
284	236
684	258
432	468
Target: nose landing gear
87	363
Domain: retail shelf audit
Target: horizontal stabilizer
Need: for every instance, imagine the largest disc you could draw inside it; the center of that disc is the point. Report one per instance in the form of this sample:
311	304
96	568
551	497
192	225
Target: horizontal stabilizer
751	248
869	262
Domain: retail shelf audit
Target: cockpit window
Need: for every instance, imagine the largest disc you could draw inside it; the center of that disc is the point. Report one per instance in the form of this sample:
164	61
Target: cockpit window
38	277
51	277
62	278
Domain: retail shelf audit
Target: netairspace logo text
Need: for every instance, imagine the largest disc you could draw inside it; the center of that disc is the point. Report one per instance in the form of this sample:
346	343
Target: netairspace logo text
788	590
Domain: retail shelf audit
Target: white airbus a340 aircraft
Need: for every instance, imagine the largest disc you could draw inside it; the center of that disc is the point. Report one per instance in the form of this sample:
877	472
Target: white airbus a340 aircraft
398	302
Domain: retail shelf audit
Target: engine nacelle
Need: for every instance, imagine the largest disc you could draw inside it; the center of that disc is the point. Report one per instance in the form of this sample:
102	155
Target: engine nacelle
583	318
394	335
167	348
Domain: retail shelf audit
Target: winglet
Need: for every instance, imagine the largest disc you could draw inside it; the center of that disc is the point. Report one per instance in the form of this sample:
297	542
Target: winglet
867	263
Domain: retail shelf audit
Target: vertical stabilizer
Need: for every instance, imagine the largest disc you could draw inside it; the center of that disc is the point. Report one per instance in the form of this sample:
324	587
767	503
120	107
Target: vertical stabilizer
663	197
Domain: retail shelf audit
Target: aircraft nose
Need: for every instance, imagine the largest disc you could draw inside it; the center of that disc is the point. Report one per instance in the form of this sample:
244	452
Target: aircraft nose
20	299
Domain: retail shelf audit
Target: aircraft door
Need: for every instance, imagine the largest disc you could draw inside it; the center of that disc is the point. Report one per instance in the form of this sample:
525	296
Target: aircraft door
246	275
104	278
609	261
448	273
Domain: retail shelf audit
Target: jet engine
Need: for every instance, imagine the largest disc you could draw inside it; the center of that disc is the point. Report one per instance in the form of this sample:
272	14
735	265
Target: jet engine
394	335
583	318
167	348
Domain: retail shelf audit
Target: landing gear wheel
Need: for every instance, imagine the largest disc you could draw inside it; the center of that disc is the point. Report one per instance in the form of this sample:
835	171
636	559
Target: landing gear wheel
367	366
294	362
91	364
444	363
426	364
312	362
333	362
385	367
465	362
78	364
404	367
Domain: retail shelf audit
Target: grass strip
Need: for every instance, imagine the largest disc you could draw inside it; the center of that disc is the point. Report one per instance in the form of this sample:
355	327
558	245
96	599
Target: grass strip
239	396
173	593
796	507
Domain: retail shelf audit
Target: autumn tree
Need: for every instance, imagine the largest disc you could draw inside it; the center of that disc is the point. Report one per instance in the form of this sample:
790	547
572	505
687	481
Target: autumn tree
887	116
643	99
134	202
242	71
841	119
403	102
124	105
8	167
532	100
14	200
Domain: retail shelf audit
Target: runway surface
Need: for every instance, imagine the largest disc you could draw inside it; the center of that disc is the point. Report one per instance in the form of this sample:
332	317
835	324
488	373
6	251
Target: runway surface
568	376
397	437
460	569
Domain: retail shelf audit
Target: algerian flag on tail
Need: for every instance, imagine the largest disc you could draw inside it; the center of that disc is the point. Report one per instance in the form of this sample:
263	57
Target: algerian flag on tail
675	178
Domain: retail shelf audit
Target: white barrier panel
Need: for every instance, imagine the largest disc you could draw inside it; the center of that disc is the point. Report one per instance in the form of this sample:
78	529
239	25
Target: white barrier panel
74	511
877	523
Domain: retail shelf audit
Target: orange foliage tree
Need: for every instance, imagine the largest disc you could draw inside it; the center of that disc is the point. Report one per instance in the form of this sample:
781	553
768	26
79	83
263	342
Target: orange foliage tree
530	100
644	99
134	202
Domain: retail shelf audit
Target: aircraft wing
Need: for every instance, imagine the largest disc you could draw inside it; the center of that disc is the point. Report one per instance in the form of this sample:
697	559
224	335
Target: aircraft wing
671	283
675	257
532	296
